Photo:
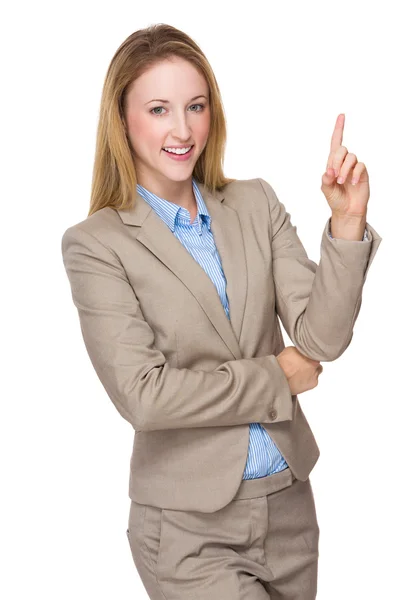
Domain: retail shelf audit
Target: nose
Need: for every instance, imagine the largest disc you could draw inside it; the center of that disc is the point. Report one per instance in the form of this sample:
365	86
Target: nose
181	129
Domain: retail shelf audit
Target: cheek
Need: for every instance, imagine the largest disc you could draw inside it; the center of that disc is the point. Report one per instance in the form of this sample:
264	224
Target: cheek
144	132
203	126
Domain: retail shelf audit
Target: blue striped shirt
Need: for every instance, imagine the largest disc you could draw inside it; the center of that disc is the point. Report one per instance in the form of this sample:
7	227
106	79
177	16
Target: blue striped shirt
264	458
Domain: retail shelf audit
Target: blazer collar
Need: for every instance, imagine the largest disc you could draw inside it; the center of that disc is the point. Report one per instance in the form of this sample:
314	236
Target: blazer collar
226	229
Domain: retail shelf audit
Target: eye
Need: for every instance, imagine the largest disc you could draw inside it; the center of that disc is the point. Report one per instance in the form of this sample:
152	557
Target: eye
155	108
202	106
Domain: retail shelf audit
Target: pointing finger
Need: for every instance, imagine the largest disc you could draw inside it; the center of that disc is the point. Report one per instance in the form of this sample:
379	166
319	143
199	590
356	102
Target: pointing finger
337	136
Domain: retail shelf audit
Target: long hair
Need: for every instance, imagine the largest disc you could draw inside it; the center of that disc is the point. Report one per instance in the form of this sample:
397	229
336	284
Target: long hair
114	176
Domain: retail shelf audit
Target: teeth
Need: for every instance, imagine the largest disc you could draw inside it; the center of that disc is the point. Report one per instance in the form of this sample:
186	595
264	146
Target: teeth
177	150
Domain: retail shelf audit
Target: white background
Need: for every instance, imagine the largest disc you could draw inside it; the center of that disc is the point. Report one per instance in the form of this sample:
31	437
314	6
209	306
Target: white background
285	70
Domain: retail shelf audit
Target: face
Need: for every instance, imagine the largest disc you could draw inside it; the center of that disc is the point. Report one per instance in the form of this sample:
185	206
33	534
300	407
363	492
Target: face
167	106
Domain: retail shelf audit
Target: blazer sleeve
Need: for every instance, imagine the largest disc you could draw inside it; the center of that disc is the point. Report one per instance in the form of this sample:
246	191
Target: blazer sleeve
146	391
318	304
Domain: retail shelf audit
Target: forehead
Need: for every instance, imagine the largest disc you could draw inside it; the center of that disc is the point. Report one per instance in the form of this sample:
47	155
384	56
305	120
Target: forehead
170	77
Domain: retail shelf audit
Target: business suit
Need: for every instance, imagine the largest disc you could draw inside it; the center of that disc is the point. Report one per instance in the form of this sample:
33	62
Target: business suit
183	396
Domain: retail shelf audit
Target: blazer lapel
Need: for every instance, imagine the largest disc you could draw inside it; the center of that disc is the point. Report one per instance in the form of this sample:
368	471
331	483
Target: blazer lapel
225	226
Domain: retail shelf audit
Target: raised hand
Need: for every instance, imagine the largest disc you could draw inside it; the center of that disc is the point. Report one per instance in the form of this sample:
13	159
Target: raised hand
348	195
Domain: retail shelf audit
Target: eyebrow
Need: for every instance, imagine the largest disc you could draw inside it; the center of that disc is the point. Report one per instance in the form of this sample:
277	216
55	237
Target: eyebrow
167	101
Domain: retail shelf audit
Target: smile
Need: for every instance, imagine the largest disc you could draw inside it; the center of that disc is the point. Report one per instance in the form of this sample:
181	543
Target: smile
177	155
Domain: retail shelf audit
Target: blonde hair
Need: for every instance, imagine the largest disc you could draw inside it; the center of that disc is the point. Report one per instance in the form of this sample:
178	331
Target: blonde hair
114	177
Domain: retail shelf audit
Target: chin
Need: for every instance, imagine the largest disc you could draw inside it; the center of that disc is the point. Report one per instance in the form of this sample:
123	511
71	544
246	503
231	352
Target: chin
180	177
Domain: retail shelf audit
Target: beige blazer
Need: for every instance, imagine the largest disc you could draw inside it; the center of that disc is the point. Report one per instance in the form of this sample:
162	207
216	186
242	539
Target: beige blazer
187	379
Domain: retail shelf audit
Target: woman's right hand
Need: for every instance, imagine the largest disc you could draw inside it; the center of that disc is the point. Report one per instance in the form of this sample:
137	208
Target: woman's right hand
302	372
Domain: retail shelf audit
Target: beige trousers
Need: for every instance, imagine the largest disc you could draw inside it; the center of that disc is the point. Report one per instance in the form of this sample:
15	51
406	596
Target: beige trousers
263	545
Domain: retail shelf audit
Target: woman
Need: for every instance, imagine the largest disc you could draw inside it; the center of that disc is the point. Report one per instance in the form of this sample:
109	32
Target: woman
179	275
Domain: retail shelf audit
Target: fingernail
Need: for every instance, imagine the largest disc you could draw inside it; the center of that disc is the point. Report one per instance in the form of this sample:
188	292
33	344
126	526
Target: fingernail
354	181
340	179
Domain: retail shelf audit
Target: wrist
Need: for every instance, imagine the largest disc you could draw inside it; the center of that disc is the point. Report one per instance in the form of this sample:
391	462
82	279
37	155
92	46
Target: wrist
348	227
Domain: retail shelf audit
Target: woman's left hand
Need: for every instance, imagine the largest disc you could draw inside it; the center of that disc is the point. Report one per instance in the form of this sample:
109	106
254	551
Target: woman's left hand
345	199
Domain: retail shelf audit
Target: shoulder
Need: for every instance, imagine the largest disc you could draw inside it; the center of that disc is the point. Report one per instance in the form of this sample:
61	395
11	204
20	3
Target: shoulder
254	193
96	224
93	231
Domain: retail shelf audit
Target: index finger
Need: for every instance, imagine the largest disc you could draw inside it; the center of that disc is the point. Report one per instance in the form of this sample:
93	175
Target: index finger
337	136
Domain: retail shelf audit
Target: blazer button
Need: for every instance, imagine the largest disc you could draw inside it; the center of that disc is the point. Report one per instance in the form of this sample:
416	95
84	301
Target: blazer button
273	414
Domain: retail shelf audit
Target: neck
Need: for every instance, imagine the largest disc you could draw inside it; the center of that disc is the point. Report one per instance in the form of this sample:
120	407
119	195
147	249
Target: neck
178	192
